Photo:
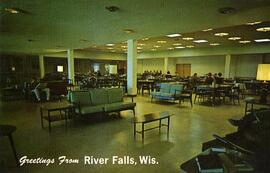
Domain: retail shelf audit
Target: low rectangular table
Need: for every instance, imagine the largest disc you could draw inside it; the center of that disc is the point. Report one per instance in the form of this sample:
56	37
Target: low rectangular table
55	107
151	117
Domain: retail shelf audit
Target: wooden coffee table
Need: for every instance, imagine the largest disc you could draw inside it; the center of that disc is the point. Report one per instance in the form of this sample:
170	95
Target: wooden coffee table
151	117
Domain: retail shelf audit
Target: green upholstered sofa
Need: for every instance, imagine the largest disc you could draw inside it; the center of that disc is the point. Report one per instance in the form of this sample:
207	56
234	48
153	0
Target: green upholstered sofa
168	91
100	100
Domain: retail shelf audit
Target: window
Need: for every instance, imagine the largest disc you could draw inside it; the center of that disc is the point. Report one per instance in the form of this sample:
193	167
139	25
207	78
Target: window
60	68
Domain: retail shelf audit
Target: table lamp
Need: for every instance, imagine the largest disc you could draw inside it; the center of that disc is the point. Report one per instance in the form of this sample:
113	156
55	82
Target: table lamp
263	73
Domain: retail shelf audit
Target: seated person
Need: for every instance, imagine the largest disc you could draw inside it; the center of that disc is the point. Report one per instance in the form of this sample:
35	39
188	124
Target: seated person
209	79
41	87
219	78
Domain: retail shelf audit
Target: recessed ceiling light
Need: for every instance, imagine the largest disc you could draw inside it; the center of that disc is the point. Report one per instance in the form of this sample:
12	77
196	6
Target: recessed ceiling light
128	31
110	48
112	8
214	44
262	40
253	23
139	48
144	39
170	48
124	49
177	44
112	51
221	34
206	30
83	40
110	44
264	29
187	38
12	10
161	41
153	49
189	46
141	44
179	47
156	46
244	41
173	35
200	41
234	38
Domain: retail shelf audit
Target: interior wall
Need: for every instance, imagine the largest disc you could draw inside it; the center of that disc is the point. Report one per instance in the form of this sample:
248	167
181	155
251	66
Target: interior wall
204	64
246	65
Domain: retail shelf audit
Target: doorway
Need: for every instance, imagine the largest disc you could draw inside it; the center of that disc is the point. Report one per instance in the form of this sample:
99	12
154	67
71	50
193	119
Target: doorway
183	70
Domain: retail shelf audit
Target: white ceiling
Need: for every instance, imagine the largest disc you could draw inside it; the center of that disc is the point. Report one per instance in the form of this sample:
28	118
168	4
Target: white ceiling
56	25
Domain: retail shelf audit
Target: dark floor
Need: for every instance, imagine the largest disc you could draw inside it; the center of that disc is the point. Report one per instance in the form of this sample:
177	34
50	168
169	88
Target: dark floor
112	136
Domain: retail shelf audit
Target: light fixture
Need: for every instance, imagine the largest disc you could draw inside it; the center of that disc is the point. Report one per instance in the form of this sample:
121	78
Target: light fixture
206	30
221	34
253	23
141	44
110	44
264	29
263	73
139	48
173	35
112	8
189	46
262	40
153	49
60	68
123	46
128	31
161	41
200	41
170	48
156	46
13	68
244	41
214	44
144	39
110	48
12	10
177	44
234	38
187	38
179	47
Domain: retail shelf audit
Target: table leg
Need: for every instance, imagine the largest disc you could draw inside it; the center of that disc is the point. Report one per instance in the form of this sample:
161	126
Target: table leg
134	130
159	125
246	108
13	149
41	117
49	121
168	128
143	132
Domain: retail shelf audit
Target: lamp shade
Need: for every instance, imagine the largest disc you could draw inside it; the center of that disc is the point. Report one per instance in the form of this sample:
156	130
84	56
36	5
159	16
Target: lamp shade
263	72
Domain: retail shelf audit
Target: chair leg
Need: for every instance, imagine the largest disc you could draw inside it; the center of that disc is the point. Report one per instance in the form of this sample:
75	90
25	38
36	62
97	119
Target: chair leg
191	102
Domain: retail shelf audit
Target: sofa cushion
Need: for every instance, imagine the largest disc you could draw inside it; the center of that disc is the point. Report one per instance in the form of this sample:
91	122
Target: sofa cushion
81	97
165	87
90	109
99	96
115	95
118	106
176	89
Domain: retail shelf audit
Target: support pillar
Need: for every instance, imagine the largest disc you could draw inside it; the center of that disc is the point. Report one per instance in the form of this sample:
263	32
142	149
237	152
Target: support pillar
70	55
41	66
227	68
132	67
165	68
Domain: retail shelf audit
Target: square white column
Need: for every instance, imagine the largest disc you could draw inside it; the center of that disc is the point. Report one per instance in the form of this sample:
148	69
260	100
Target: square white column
132	67
41	66
227	68
70	55
165	65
